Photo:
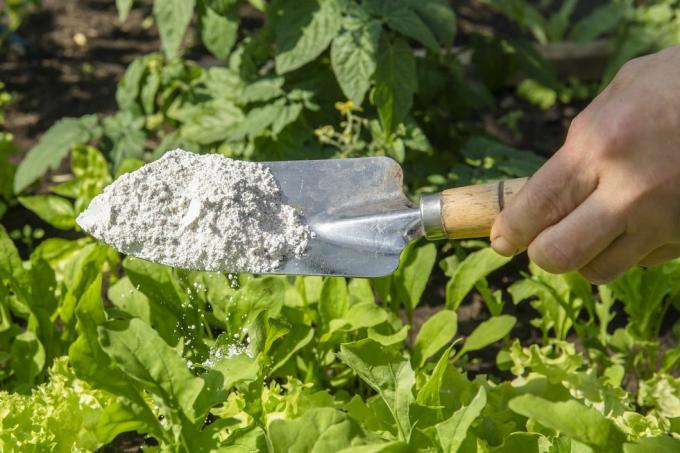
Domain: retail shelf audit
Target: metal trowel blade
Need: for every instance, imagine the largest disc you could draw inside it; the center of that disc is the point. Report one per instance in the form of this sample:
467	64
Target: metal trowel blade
357	212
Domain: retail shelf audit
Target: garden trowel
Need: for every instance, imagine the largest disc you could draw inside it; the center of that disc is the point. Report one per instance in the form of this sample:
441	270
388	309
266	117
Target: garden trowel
361	220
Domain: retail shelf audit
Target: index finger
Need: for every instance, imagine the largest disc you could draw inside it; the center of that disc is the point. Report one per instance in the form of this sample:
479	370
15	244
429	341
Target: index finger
555	190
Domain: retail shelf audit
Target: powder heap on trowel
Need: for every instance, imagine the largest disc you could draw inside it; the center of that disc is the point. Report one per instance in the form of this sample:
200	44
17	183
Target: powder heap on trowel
195	211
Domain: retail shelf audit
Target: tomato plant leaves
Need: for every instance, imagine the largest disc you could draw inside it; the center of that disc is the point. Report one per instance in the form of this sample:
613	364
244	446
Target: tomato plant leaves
303	30
219	30
172	17
401	17
354	53
124	7
395	82
439	18
53	146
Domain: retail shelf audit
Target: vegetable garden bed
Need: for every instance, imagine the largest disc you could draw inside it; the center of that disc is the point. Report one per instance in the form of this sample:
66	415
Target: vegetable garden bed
459	350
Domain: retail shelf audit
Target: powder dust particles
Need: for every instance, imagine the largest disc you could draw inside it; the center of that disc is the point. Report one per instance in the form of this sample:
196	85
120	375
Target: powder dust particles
204	212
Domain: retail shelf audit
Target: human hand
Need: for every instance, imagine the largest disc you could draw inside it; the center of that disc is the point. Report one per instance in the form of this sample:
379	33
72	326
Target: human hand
610	197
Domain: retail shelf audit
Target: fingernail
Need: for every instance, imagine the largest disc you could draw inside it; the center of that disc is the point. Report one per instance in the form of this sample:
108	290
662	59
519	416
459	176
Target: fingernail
503	247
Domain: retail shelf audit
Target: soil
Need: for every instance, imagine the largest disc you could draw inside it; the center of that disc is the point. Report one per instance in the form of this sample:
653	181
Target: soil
76	52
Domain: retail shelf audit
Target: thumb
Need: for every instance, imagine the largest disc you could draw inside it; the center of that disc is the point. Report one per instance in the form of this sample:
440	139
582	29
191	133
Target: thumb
555	190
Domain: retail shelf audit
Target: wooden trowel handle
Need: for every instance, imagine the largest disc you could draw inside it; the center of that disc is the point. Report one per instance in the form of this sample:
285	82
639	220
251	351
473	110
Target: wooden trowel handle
469	212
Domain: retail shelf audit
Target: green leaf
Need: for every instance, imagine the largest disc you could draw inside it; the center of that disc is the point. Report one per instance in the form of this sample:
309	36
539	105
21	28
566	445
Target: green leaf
262	90
381	447
130	85
143	355
173	18
434	334
149	91
401	17
124	7
287	116
439	17
572	418
86	356
303	30
255	297
299	337
128	166
365	314
171	311
388	373
395	83
53	146
86	268
413	274
524	14
236	369
488	332
258	120
59	416
429	395
221	376
601	20
56	211
354	53
560	20
92	364
125	296
27	358
319	429
120	417
125	137
91	175
652	445
360	290
388	339
488	155
521	442
334	300
222	6
210	122
219	31
474	267
452	432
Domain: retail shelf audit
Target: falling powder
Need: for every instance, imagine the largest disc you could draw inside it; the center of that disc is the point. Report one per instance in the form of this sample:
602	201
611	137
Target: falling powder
204	212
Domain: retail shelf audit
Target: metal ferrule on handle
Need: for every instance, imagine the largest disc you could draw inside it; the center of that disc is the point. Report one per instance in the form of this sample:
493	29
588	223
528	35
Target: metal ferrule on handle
431	216
466	212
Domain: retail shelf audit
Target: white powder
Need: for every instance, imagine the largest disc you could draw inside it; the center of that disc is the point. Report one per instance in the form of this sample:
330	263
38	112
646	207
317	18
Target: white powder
204	212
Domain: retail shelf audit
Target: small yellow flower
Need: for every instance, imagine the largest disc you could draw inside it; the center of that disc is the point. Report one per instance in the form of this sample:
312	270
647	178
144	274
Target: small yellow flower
324	131
346	107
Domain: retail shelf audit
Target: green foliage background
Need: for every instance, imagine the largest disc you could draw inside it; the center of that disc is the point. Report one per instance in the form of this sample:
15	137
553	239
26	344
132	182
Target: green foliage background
93	344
